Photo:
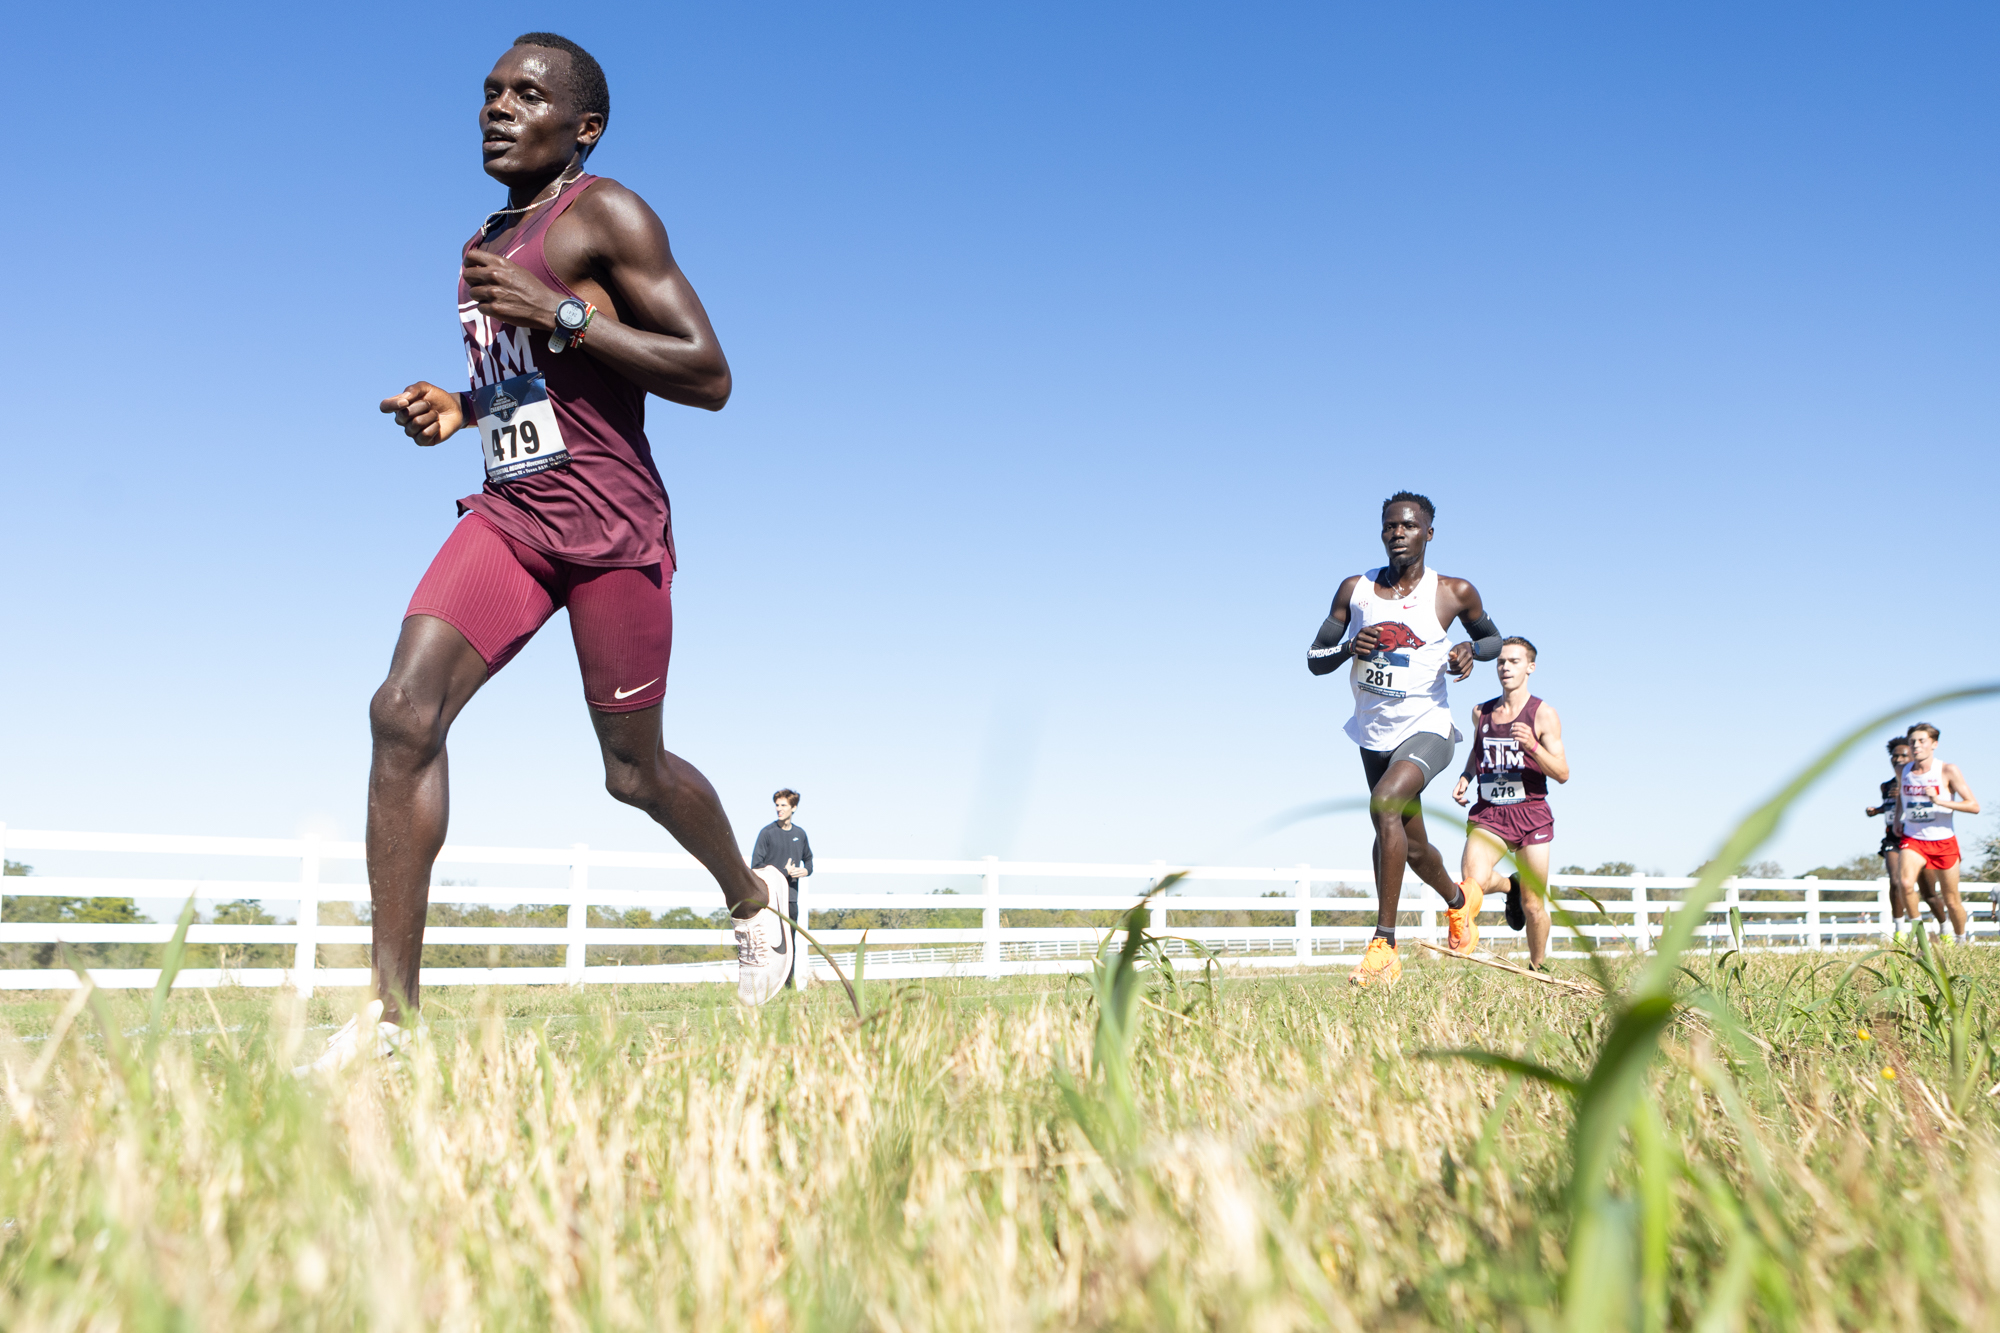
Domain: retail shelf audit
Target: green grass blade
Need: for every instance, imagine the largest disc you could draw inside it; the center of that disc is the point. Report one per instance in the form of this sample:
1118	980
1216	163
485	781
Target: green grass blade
170	967
1521	1068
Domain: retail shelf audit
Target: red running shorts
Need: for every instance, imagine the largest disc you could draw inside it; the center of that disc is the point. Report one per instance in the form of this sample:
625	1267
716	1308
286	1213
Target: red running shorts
497	593
1522	825
1938	853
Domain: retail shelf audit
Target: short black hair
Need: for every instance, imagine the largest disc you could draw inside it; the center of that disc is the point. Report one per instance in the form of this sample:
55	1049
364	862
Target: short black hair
1420	501
583	80
1899	743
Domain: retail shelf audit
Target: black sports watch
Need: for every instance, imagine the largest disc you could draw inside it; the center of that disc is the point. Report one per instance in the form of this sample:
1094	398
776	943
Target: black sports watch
571	316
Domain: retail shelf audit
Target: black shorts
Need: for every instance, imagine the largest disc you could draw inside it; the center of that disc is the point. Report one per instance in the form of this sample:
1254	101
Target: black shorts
1890	842
1430	752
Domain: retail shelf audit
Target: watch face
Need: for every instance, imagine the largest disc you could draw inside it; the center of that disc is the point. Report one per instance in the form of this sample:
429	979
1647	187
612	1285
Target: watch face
570	314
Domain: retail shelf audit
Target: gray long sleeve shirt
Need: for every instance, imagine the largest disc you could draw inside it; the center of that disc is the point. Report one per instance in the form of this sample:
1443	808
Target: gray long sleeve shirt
780	847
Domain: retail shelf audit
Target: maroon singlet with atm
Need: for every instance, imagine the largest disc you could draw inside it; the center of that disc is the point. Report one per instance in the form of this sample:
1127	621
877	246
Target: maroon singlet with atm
1513	799
573	512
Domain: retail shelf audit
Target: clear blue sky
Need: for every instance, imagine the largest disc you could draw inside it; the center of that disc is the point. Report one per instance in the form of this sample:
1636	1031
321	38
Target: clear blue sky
1075	349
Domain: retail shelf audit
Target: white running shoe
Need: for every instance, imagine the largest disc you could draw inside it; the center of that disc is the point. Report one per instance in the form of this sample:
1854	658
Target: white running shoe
763	946
343	1048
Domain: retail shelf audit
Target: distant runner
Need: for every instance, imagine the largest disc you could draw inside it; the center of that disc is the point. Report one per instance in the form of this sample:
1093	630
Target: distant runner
1929	793
1517	747
1402	715
1892	834
573	312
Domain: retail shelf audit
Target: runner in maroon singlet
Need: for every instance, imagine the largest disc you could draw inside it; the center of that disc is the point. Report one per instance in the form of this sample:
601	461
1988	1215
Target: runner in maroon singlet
573	311
1517	747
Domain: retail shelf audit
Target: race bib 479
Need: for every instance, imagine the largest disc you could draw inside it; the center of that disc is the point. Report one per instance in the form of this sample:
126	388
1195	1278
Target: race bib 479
518	431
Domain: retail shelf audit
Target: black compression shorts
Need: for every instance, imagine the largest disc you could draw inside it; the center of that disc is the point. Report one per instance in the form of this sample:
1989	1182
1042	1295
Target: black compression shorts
1430	752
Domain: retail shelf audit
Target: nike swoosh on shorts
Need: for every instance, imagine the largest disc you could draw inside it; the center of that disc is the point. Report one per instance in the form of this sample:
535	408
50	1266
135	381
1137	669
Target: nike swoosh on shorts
626	694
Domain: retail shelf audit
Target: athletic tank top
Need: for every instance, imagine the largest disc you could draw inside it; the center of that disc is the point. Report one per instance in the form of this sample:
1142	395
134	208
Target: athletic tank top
1921	819
607	505
1889	800
1507	775
1400	691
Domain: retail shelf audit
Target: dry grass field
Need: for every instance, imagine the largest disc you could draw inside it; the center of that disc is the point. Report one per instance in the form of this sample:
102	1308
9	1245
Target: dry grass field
1269	1153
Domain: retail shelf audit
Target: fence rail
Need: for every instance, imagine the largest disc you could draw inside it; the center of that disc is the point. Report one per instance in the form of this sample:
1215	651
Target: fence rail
1618	911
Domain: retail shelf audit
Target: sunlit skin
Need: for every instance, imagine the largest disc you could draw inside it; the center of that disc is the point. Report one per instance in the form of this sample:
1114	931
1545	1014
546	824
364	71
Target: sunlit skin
611	249
1899	907
1940	887
1400	837
1483	847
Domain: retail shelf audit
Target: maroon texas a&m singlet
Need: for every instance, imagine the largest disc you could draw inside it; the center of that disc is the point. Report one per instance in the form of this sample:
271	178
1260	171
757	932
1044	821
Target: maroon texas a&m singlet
569	471
1507	775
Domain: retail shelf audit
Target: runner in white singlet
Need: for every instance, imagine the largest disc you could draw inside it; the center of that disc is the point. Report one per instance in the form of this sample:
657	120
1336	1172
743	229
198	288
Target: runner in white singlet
1929	792
1402	716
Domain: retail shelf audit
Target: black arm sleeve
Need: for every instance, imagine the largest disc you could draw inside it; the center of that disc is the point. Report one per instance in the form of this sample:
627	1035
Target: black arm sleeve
1485	638
1324	655
807	859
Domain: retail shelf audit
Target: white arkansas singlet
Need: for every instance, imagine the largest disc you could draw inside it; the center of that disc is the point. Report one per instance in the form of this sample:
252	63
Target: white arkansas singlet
1400	691
1921	819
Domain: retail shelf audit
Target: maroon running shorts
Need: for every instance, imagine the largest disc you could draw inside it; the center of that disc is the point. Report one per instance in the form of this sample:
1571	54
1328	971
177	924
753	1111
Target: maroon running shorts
1521	825
1938	853
497	593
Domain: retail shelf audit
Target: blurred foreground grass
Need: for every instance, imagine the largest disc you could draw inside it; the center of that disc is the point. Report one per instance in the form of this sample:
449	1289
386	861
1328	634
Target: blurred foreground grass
656	1158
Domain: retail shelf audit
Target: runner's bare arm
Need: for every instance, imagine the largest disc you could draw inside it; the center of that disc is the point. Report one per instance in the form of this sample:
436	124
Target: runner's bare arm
1458	598
426	413
1967	803
1546	742
611	249
1327	652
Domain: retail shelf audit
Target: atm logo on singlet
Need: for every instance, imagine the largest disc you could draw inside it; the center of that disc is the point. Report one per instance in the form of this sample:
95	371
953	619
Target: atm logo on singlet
1501	752
494	351
1396	635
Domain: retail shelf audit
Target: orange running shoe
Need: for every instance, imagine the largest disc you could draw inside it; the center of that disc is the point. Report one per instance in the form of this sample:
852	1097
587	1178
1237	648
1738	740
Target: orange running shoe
1379	963
1462	923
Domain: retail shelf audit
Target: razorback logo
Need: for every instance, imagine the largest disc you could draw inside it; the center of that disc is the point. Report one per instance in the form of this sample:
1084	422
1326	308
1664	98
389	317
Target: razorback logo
1396	635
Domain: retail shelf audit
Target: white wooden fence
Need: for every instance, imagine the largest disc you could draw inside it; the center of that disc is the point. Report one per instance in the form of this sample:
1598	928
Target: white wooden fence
1784	915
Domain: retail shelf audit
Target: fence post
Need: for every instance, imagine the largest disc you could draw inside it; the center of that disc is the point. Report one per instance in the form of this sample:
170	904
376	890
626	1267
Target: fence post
1156	915
802	963
3	843
1812	911
306	957
1882	904
1427	925
1642	931
1302	947
579	910
989	919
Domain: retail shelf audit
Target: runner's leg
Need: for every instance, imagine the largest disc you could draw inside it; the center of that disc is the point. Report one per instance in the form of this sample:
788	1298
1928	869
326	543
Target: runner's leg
622	621
639	771
1533	861
1481	858
1927	885
1947	892
434	673
1898	909
1396	792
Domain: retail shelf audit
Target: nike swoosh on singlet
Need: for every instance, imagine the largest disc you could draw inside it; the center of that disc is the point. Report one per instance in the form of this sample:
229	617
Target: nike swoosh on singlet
626	694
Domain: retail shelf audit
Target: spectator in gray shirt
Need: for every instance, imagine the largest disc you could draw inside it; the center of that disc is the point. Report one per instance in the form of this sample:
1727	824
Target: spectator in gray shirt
783	844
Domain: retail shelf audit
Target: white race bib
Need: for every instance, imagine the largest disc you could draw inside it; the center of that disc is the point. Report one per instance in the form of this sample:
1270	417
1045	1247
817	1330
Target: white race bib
1379	674
518	431
1503	786
1918	810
